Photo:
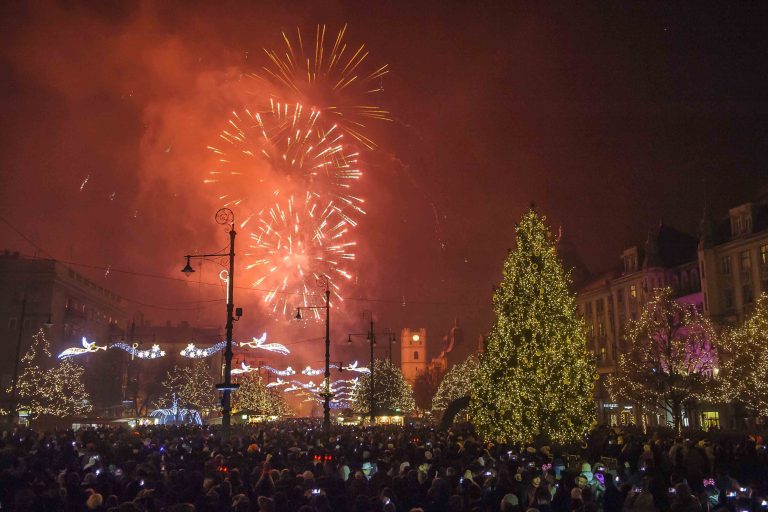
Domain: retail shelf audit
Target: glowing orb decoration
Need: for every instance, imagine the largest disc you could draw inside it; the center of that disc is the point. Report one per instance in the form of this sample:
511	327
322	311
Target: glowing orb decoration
152	353
331	74
295	244
258	343
192	352
88	348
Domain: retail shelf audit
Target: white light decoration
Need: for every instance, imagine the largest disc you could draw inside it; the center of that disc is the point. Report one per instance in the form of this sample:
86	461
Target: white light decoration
283	373
311	372
278	382
291	388
88	348
270	347
244	368
152	353
175	415
352	367
193	352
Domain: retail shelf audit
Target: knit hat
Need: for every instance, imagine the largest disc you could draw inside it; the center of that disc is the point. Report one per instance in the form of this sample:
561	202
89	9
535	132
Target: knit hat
510	499
94	501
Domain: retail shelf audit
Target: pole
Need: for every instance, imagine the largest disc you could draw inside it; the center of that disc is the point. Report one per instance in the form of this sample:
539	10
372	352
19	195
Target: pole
327	397
12	409
372	340
226	407
135	381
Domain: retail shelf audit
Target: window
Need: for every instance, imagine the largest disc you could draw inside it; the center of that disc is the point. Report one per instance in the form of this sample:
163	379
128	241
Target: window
633	291
415	355
745	262
599	304
29	323
619	295
603	354
13	323
746	294
764	254
728	299
588	309
737	225
710	419
601	329
725	265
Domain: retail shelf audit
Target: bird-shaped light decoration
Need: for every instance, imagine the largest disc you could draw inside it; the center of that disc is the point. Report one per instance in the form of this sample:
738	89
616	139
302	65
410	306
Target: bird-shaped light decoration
88	348
271	347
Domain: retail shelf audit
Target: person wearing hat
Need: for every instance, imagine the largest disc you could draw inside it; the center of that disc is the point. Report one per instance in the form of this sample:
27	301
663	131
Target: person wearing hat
509	503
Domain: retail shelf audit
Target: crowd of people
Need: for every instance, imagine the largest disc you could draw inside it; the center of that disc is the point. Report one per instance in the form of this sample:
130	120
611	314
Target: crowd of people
295	466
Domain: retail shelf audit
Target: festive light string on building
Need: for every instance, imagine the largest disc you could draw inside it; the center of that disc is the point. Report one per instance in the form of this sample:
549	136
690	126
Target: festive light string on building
536	350
88	348
152	353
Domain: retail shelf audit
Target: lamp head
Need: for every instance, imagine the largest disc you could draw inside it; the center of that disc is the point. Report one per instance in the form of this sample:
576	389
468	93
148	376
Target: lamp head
187	268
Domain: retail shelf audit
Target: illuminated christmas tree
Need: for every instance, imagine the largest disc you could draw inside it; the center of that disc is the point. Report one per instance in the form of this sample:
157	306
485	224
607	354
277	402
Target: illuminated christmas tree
535	379
391	391
46	387
456	384
744	366
255	396
193	386
669	358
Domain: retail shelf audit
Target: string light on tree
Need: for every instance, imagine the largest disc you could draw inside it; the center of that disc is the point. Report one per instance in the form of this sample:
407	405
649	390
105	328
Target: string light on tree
45	388
669	359
536	352
744	366
391	391
192	385
456	383
254	396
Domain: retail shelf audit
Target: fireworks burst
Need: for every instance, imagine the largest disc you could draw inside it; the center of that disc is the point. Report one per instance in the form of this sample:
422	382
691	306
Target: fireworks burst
295	243
329	74
286	144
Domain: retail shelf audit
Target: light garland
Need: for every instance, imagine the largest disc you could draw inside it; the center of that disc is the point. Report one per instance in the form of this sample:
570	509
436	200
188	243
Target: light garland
88	348
283	373
192	352
536	353
153	353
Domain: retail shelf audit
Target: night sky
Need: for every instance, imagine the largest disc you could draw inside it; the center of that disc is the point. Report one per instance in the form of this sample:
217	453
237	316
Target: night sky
607	116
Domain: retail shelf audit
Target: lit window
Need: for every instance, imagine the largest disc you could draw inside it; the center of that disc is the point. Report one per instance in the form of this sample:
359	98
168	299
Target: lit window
745	262
633	291
764	254
725	265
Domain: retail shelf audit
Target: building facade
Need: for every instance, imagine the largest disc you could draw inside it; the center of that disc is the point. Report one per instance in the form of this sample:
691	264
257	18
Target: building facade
721	273
413	353
608	302
68	304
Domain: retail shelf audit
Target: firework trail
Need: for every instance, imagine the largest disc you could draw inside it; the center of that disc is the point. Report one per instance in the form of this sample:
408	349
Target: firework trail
295	243
286	147
329	74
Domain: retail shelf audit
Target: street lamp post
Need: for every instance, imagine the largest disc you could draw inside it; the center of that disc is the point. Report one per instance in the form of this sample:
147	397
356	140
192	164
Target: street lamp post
327	395
371	336
225	217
